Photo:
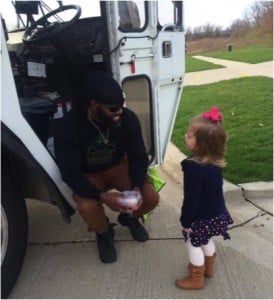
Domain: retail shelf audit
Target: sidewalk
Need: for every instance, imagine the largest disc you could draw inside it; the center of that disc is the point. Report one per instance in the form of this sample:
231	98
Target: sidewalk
62	260
250	204
232	69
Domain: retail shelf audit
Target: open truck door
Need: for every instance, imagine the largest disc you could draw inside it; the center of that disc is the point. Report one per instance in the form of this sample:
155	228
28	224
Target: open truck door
148	59
47	47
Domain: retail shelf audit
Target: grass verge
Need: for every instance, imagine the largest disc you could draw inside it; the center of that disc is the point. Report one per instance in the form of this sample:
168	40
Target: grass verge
251	54
194	65
247	106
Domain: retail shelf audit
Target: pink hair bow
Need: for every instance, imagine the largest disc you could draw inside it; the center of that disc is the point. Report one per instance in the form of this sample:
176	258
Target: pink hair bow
214	114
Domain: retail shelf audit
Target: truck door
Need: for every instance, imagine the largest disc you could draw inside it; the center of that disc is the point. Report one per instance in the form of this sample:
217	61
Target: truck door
171	62
148	60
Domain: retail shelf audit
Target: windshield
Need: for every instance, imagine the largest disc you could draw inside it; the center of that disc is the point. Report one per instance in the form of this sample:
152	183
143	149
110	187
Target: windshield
38	8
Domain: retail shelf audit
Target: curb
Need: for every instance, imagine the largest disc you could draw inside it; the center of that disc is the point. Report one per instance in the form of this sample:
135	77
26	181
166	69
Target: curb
254	191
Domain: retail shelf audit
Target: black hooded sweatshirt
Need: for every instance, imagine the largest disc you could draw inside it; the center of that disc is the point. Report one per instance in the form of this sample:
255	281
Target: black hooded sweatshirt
81	148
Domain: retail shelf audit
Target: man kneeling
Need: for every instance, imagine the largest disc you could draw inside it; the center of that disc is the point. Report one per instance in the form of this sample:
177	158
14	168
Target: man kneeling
99	147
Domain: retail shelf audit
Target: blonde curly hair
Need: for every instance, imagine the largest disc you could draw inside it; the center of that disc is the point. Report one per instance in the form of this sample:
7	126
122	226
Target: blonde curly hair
211	139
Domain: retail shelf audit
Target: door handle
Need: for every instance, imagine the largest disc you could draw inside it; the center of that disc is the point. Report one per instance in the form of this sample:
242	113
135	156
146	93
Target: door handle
167	49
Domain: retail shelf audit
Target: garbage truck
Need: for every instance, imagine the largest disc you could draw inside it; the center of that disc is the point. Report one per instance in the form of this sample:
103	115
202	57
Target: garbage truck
46	48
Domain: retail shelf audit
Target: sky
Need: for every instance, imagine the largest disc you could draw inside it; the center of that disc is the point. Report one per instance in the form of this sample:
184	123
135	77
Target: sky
216	12
196	12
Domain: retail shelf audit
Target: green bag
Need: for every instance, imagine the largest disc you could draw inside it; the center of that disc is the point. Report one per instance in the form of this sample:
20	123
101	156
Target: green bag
158	184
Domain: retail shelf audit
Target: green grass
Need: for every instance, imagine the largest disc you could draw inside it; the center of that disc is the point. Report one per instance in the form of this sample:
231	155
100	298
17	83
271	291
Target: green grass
251	54
247	106
194	65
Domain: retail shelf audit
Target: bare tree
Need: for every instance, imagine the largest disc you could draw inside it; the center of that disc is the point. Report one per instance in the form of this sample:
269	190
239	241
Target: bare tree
259	17
258	12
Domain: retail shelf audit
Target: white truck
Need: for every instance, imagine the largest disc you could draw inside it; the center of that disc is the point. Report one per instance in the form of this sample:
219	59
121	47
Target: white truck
52	44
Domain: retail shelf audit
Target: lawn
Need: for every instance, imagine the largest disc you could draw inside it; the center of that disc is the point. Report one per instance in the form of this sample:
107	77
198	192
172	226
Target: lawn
251	54
247	106
194	65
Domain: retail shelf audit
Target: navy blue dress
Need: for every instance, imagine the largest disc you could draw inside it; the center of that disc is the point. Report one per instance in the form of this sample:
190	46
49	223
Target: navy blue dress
203	209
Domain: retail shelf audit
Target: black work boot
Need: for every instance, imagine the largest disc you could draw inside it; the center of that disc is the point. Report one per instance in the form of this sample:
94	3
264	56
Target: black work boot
136	229
105	245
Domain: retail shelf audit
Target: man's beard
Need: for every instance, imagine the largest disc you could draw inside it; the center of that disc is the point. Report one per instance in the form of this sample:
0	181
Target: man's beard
107	121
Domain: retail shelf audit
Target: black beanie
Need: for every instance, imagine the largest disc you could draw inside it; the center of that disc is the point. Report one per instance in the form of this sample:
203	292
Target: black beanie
100	86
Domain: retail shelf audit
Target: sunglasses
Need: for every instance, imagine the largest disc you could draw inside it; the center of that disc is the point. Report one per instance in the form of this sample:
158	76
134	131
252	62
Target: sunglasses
114	108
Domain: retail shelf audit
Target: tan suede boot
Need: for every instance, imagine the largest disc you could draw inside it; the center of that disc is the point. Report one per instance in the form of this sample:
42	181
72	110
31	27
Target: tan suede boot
209	265
195	279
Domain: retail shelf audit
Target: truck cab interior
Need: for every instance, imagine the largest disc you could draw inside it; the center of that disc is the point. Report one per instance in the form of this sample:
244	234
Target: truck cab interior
52	57
53	51
53	46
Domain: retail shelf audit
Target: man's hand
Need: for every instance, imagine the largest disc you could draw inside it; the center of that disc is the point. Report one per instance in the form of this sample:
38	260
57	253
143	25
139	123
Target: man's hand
111	199
136	189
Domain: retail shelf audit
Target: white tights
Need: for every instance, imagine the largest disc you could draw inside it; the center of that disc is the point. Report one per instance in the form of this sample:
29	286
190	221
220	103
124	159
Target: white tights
197	254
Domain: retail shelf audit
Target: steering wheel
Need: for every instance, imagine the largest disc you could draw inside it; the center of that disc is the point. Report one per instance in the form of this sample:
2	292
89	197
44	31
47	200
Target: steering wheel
43	29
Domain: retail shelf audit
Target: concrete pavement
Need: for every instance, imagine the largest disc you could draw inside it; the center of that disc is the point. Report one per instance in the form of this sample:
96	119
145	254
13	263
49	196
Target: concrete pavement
62	260
246	202
232	69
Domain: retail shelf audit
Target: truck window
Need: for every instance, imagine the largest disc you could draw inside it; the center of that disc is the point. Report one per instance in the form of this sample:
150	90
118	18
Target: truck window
132	15
169	13
35	8
138	95
165	12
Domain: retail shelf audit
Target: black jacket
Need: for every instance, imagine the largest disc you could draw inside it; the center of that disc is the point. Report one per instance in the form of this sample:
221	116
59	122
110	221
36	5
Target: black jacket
203	192
79	149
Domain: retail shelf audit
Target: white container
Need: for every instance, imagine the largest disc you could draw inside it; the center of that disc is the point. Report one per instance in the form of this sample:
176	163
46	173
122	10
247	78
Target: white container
130	199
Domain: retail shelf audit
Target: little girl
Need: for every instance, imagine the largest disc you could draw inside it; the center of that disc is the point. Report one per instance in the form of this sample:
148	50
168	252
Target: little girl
203	213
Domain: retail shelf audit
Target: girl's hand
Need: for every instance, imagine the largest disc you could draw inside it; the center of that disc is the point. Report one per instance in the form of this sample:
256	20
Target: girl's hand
187	230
